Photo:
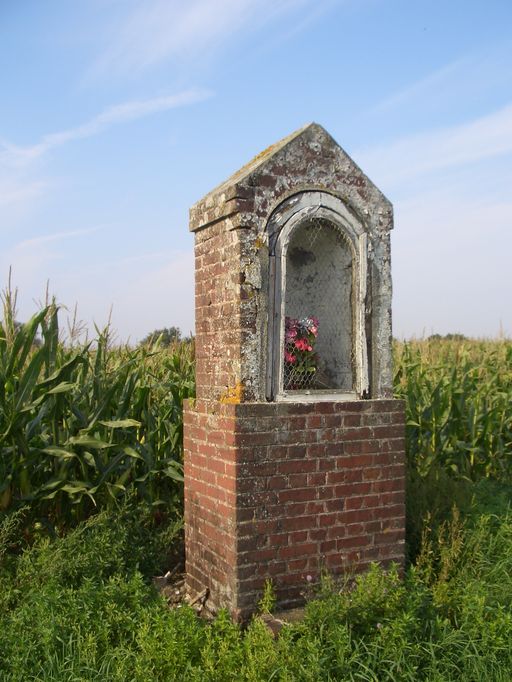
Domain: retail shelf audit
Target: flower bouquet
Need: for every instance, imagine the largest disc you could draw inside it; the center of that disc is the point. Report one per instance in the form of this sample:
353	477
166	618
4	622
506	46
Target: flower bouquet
300	359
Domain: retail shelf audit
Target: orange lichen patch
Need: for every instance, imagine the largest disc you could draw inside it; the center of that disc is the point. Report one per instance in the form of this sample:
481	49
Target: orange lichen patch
233	395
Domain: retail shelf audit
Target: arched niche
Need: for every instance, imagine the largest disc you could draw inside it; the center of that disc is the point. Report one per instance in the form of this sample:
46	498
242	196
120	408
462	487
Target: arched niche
316	326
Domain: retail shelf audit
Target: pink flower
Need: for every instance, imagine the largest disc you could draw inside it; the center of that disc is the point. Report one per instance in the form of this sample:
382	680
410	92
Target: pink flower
300	338
302	344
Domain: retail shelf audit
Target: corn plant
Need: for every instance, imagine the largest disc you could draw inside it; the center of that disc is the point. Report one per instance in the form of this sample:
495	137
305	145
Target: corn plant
81	426
458	405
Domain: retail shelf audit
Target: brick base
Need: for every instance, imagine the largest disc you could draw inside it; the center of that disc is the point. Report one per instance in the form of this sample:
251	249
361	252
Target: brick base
283	491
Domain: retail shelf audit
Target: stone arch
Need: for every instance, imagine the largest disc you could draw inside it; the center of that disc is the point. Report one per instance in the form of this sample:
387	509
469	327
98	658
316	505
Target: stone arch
343	370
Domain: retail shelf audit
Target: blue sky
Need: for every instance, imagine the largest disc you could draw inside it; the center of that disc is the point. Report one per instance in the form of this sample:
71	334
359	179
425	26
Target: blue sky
117	115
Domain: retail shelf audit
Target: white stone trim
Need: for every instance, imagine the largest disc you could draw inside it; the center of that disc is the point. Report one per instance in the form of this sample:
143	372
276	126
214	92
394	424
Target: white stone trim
294	212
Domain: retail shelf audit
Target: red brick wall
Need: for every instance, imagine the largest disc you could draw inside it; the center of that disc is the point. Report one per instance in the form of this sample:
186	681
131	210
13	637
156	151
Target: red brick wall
210	502
226	308
285	490
217	305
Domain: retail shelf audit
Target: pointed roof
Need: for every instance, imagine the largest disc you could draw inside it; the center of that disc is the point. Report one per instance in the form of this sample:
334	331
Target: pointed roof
307	158
260	159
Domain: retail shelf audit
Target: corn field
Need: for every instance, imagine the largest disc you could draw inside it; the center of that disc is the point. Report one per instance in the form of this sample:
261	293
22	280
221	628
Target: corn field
458	397
82	425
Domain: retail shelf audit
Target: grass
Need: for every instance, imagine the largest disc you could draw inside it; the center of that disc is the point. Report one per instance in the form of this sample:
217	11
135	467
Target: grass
82	607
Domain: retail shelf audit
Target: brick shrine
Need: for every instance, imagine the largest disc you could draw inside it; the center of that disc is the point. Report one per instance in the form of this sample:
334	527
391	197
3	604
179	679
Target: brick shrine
294	462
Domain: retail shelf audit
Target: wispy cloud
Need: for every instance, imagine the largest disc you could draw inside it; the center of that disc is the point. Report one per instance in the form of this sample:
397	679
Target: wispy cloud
20	178
15	156
13	191
31	254
157	30
56	236
433	82
32	259
416	155
451	192
478	76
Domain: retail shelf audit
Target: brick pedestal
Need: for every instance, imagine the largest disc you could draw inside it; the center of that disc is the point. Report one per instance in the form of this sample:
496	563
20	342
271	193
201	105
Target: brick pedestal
282	491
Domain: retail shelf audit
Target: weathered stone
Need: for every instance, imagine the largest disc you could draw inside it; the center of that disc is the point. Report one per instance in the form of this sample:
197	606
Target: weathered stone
306	166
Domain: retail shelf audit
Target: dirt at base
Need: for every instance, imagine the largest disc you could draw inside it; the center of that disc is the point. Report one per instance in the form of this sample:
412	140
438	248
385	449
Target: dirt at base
172	588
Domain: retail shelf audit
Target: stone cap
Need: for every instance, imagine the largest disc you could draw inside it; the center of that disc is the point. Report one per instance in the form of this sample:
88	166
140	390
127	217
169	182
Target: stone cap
309	158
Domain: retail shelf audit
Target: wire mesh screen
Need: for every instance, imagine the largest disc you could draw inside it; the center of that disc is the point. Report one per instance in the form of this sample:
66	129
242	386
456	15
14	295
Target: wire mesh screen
317	338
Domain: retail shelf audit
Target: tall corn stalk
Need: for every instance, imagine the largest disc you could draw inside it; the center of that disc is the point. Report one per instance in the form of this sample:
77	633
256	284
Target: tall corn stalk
459	405
81	426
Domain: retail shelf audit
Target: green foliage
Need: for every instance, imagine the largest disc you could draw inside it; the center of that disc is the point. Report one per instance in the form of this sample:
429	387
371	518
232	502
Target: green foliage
268	599
66	605
10	526
82	426
458	399
80	607
448	337
163	337
90	428
430	500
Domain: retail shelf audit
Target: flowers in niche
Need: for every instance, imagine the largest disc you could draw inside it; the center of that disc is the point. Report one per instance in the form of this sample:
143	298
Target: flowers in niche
299	351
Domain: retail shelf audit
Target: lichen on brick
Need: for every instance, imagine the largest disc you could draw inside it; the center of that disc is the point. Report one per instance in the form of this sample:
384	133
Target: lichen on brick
233	395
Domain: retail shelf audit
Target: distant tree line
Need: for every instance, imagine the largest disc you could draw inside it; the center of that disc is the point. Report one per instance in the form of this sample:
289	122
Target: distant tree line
166	337
447	337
